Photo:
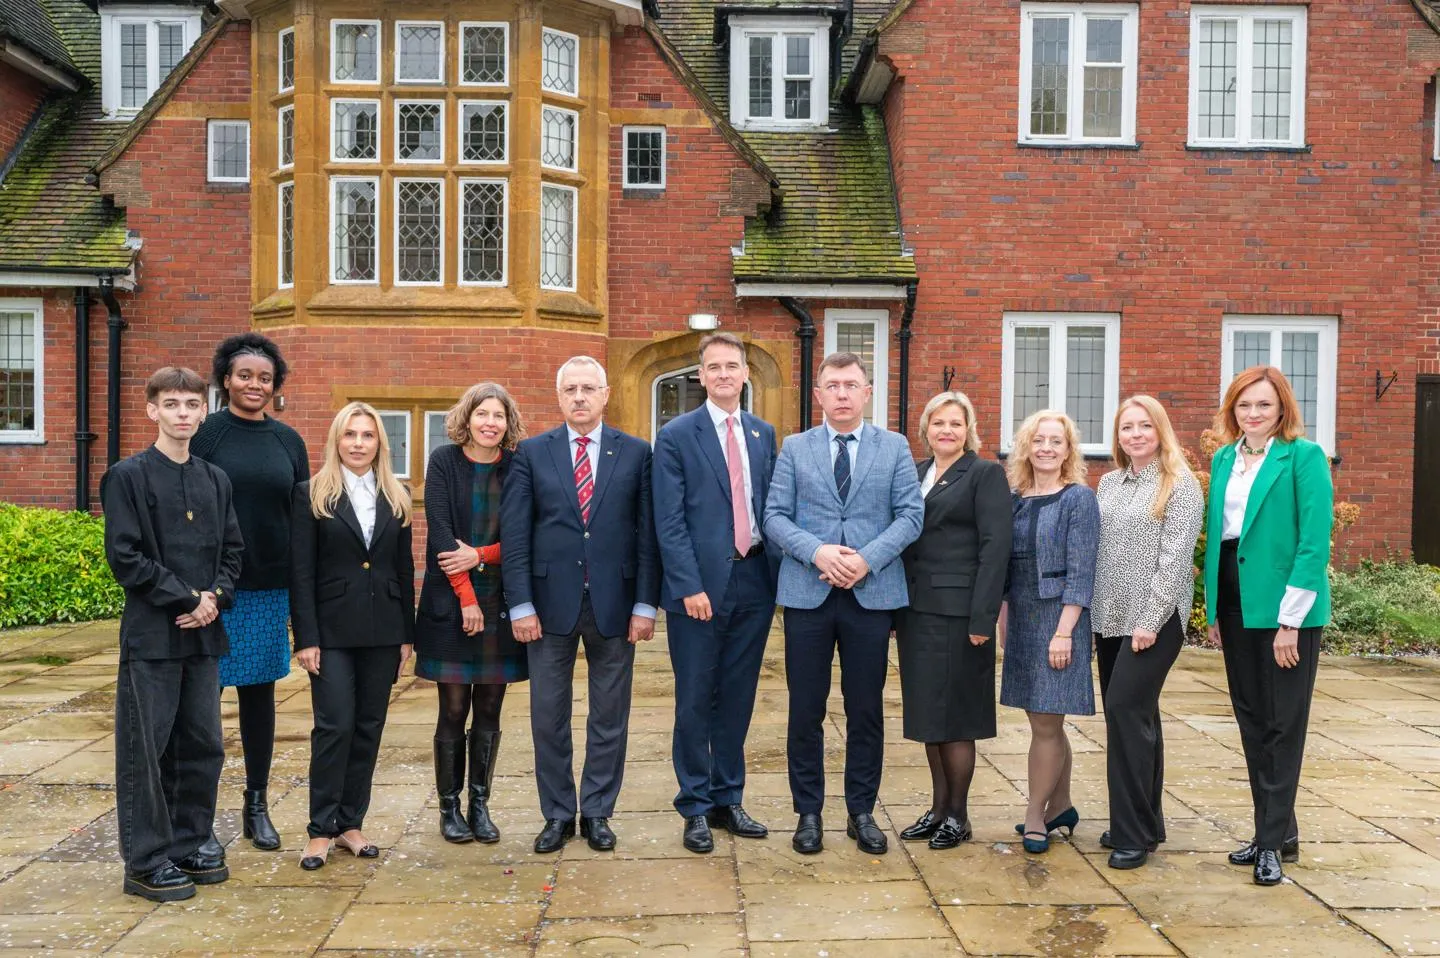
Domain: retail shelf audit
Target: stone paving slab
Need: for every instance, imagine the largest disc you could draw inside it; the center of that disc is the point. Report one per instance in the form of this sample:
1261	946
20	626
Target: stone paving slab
1368	881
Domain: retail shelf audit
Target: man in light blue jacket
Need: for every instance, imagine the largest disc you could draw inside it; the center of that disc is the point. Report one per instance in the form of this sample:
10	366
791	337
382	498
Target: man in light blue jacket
844	503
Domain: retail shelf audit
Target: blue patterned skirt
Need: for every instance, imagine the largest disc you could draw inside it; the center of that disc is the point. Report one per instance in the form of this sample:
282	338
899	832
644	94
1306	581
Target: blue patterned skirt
258	625
1027	681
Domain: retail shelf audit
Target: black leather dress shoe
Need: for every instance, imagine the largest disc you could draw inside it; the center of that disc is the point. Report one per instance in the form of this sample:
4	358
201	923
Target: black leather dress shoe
597	832
950	833
697	834
1106	842
166	883
808	839
204	868
734	820
868	836
1127	858
552	837
1289	852
923	828
1267	867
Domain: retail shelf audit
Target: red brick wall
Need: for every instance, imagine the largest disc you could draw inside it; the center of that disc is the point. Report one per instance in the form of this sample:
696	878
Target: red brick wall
20	94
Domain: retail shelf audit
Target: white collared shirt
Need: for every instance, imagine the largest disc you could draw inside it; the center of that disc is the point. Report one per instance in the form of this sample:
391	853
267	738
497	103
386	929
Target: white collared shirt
361	490
851	447
928	482
592	451
1297	602
720	418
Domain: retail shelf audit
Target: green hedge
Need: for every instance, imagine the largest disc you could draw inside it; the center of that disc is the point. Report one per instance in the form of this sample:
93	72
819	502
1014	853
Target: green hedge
1391	606
52	568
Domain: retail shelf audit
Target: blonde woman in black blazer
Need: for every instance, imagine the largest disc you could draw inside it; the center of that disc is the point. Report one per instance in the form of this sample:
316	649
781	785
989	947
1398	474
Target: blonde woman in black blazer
352	606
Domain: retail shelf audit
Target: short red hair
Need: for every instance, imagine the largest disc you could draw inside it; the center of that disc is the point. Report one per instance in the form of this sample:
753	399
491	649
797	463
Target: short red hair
1292	422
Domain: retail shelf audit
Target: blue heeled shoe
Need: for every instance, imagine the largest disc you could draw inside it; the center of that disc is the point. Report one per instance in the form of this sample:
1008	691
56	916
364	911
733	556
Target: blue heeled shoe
1066	820
1035	846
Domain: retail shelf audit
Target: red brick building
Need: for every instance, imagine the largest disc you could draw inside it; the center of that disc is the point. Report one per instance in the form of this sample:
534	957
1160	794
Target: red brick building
1042	204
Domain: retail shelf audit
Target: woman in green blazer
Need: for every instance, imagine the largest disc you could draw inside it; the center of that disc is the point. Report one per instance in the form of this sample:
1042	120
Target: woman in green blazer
1267	594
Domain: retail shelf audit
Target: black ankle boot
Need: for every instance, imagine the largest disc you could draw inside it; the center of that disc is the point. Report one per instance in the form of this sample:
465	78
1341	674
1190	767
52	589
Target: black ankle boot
484	746
449	774
256	824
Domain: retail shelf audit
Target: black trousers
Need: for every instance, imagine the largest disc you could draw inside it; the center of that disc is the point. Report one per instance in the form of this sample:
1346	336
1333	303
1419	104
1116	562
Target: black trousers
1272	707
168	757
811	638
350	696
1130	683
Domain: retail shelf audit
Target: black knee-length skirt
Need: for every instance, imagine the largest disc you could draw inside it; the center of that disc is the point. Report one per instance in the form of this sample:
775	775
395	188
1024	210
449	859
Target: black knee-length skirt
947	685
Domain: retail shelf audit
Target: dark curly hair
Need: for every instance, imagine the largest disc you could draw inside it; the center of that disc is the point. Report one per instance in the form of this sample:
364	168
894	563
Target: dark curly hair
246	344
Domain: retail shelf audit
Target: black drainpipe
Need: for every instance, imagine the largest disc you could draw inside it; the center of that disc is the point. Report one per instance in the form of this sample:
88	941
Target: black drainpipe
116	323
83	436
906	318
806	333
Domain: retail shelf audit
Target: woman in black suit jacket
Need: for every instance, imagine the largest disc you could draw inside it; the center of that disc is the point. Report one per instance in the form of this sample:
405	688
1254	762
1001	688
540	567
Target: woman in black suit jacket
352	606
956	575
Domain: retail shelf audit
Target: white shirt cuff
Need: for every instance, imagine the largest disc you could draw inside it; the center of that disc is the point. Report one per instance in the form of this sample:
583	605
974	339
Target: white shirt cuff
643	610
522	611
1295	606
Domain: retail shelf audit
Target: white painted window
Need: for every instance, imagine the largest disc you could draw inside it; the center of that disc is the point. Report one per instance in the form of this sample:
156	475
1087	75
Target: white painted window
355	51
866	333
419	232
396	423
139	46
419	131
355	131
484	131
285	137
779	72
285	239
559	62
1247	76
559	138
287	59
354	229
1064	361
22	369
1077	72
1304	348
644	158
484	233
435	436
484	54
419	51
557	236
227	151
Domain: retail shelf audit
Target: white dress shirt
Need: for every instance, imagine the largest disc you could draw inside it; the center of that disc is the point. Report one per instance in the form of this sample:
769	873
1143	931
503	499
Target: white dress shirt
928	482
1297	602
851	447
361	490
720	418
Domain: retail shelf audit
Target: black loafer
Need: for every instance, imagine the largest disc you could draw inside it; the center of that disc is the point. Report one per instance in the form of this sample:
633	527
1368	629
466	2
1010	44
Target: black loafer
1127	858
1267	867
950	833
204	868
553	836
166	883
868	836
808	840
924	827
1289	853
734	820
597	832
1106	842
697	835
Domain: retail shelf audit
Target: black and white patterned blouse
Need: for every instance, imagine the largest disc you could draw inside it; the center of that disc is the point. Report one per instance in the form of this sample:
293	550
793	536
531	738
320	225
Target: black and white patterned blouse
1146	568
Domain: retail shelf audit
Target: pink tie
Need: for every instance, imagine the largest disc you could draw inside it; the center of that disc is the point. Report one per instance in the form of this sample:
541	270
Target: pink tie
738	505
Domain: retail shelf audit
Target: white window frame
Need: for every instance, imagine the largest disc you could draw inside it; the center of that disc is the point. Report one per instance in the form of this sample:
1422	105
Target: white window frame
210	127
574	237
550	89
379	132
335	182
395	228
280	60
282	189
1328	329
111	19
575	155
1078	13
36	308
439	77
1244	58
741	29
747	395
460	55
460	133
1058	323
409	417
625	132
395	106
428	416
280	163
879	319
460	232
379	51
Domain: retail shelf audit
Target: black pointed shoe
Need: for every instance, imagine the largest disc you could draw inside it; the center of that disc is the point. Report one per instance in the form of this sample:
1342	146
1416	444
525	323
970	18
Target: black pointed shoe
950	833
204	868
697	835
1267	867
255	821
166	883
734	820
868	836
484	746
553	836
1124	859
1245	855
597	833
808	838
449	774
924	827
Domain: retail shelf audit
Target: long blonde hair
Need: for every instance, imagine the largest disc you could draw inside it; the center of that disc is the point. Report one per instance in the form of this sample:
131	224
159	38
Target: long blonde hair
1169	458
1021	471
327	484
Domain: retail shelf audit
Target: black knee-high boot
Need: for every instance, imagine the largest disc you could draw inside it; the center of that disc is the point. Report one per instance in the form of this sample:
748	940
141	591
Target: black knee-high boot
484	746
449	776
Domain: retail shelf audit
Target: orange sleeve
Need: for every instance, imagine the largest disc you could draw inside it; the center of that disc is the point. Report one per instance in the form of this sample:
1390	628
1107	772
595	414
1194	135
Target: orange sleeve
460	582
490	555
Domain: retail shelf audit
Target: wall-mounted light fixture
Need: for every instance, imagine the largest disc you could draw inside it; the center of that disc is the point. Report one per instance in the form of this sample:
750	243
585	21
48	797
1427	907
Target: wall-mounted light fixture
703	322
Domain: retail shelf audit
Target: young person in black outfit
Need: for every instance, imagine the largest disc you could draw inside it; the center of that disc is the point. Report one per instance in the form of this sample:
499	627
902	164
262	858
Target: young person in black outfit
463	641
352	604
174	544
264	459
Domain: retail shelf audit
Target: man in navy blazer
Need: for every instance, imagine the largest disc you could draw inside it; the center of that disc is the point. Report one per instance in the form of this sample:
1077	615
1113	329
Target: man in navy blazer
579	563
844	503
712	471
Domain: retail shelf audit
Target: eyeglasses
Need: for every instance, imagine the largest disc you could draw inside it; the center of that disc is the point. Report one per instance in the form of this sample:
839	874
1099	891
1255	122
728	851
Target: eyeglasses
834	388
586	390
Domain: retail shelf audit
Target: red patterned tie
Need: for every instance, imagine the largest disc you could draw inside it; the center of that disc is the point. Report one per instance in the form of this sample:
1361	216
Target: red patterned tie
739	507
584	479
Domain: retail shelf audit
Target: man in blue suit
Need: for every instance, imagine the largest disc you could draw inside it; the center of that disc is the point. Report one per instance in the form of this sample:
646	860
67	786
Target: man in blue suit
844	503
579	563
712	471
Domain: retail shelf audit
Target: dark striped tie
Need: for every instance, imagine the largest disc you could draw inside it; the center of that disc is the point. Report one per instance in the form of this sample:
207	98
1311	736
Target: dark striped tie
584	479
842	466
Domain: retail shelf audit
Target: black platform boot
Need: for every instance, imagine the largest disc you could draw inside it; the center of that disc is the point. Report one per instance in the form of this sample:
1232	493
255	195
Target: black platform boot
484	745
449	774
255	821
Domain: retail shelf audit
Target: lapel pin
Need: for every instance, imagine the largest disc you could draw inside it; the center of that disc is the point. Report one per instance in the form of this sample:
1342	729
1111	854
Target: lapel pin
942	482
755	433
609	452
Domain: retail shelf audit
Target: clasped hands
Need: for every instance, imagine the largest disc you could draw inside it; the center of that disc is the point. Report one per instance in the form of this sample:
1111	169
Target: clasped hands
841	566
528	629
202	615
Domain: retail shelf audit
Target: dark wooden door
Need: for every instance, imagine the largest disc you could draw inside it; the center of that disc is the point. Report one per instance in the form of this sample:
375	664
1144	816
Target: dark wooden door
1425	530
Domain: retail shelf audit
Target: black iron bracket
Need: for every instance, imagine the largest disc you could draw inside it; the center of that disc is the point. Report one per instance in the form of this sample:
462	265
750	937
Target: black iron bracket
947	376
1382	385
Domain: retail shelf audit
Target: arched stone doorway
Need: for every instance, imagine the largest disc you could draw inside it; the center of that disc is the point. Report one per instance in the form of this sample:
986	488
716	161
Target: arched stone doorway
674	394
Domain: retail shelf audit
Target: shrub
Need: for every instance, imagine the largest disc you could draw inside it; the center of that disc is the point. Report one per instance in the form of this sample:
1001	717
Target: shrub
1389	606
53	569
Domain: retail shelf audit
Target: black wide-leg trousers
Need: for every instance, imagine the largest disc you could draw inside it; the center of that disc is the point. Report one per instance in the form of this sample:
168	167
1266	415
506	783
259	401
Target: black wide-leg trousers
351	697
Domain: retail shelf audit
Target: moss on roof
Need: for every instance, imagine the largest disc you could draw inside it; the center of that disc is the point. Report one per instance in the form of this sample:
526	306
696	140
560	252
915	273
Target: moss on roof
28	23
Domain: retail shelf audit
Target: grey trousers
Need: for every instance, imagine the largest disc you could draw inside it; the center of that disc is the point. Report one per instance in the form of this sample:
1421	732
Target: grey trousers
610	662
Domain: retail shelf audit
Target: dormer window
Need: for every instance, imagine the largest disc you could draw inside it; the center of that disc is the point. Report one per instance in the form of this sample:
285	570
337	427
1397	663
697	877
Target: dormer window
140	45
779	72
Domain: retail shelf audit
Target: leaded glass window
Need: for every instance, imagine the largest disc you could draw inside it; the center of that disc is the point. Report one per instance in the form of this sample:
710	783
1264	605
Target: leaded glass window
1064	361
355	51
419	131
1247	76
482	231
484	53
286	136
355	129
172	47
483	133
229	151
287	59
559	131
645	157
286	220
557	237
560	62
762	81
19	351
134	65
419	226
354	230
420	52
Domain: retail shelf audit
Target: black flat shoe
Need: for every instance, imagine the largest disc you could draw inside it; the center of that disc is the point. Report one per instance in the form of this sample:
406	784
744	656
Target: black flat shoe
868	836
313	863
166	883
950	833
1245	855
1127	858
734	820
553	836
697	835
597	832
1267	867
1106	842
808	839
924	827
204	868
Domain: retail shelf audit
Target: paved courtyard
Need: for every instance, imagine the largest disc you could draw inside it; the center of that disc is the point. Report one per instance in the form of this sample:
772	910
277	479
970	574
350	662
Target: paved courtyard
1368	879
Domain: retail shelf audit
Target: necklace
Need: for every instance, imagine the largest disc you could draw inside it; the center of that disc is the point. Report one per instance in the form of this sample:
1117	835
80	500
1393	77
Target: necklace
1245	448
